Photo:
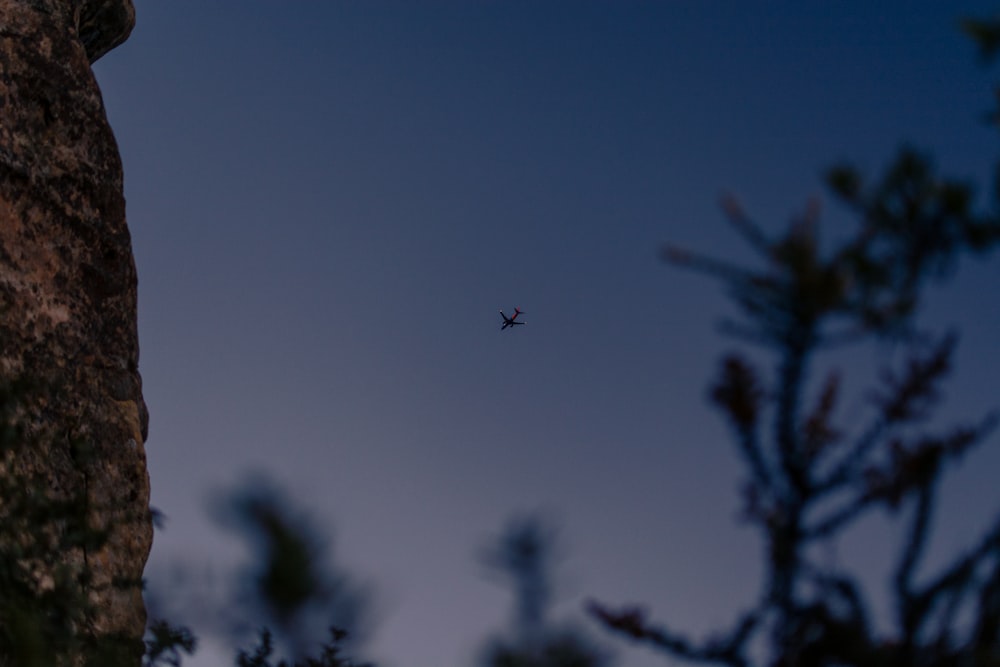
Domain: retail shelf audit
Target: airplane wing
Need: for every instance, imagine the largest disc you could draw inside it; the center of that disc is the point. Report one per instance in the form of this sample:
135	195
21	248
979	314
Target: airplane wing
509	321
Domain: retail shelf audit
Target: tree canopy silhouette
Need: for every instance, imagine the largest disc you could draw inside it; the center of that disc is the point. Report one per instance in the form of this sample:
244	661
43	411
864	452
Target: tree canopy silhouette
810	476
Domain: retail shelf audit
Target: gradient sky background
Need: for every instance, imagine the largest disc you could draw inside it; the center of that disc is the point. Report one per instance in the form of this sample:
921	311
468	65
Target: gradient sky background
330	201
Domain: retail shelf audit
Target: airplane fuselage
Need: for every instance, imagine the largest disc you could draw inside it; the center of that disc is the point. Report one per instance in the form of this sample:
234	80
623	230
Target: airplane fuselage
509	321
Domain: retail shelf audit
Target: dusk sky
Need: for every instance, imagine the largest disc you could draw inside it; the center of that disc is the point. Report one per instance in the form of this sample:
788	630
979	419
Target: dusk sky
330	201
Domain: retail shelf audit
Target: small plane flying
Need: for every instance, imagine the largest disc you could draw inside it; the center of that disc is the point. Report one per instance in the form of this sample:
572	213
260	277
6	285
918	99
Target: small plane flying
509	321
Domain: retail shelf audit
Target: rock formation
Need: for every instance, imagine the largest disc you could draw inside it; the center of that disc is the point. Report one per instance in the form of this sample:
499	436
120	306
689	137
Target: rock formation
68	289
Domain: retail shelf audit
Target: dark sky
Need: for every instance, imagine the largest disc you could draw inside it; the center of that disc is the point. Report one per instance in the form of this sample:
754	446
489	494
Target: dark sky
330	201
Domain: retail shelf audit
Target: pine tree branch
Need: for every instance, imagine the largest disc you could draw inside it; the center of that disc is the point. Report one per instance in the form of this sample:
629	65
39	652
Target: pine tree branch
727	649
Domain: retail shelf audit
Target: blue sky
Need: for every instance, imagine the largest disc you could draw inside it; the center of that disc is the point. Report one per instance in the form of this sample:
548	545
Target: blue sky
330	201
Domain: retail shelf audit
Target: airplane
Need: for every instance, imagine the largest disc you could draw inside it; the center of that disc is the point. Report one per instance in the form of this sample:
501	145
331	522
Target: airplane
509	321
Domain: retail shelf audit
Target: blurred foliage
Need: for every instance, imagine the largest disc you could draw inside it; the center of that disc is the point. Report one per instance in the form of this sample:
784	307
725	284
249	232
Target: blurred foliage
985	33
291	585
289	595
165	644
810	477
329	655
524	555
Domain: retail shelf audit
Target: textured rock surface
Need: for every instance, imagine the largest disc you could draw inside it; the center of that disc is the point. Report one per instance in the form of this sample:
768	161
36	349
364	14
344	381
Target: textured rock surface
68	281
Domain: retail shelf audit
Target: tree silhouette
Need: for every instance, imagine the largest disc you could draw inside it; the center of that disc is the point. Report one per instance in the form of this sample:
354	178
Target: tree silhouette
292	585
811	477
329	654
524	554
288	596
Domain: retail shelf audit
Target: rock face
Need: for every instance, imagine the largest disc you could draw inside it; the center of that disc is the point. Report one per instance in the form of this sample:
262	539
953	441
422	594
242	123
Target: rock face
68	286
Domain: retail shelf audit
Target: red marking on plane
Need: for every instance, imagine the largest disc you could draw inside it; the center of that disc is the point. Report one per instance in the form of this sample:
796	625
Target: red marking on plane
509	321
